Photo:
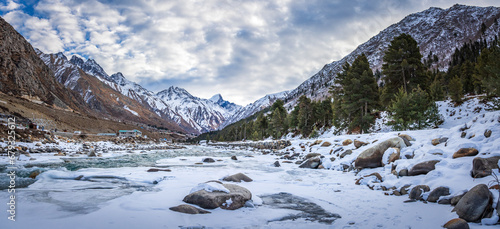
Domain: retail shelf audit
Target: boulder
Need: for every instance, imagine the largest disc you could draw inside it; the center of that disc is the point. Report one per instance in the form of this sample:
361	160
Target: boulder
454	200
475	204
417	191
456	224
482	167
423	168
276	164
394	156
185	208
372	157
438	192
238	178
326	144
346	142
465	152
311	163
317	142
236	198
358	144
208	160
404	190
310	155
403	172
406	138
234	158
438	141
487	133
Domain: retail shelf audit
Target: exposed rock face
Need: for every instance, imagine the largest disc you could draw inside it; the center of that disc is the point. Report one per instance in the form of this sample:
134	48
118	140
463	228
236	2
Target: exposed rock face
465	152
236	198
372	157
185	208
482	167
238	178
23	73
417	191
456	224
438	192
475	204
422	168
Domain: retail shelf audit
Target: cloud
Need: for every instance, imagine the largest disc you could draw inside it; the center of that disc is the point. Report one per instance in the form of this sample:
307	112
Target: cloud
241	49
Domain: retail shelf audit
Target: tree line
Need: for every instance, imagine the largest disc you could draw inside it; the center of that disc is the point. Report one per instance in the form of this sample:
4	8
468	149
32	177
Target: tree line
407	88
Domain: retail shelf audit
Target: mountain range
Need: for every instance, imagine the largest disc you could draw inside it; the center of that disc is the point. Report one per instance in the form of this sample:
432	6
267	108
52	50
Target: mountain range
83	85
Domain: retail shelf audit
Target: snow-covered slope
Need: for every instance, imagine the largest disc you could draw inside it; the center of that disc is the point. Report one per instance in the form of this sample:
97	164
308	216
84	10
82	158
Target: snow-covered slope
255	107
436	30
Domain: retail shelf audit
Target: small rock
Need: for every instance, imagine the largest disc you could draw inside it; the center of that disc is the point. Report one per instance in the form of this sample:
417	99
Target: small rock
475	204
487	133
326	144
310	155
238	178
92	154
287	162
463	135
234	158
34	174
403	172
417	191
276	164
404	190
311	163
153	170
346	142
60	154
358	144
444	201
38	144
465	152
185	208
396	193
423	168
456	224
438	192
394	156
345	153
79	177
208	160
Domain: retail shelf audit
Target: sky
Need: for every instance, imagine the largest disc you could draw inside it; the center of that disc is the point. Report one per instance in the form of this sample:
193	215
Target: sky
242	49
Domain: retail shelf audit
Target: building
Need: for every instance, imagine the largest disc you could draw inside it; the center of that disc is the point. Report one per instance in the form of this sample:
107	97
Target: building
129	133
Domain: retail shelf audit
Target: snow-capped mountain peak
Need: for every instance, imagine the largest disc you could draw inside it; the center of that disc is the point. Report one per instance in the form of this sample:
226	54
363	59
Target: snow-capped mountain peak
90	66
216	98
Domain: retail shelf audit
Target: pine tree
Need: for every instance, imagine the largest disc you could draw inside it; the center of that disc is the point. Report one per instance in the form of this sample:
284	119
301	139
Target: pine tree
305	116
436	91
456	89
402	67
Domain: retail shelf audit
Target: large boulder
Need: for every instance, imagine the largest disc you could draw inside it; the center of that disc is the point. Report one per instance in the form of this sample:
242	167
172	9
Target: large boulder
234	199
417	191
482	167
372	157
456	224
423	168
475	204
238	178
465	152
311	163
185	208
438	192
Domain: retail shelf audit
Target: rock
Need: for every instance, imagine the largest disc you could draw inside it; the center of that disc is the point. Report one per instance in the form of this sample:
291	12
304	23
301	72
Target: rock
407	137
394	156
358	144
372	157
417	191
236	198
463	134
403	172
91	154
234	158
79	177
487	133
377	175
465	152
454	200
456	224
312	155
396	193
60	154
438	192
444	201
34	174
311	163
404	190
185	208
475	204
326	144
317	142
208	160
346	142
38	144
238	178
152	170
482	167
423	168
345	153
438	141
287	162
276	164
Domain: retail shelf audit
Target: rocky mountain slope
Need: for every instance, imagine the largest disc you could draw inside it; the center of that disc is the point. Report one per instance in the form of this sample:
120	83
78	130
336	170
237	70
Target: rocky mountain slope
23	74
437	31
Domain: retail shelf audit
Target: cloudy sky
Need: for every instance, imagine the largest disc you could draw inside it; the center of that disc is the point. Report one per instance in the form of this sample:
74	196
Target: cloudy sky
242	49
